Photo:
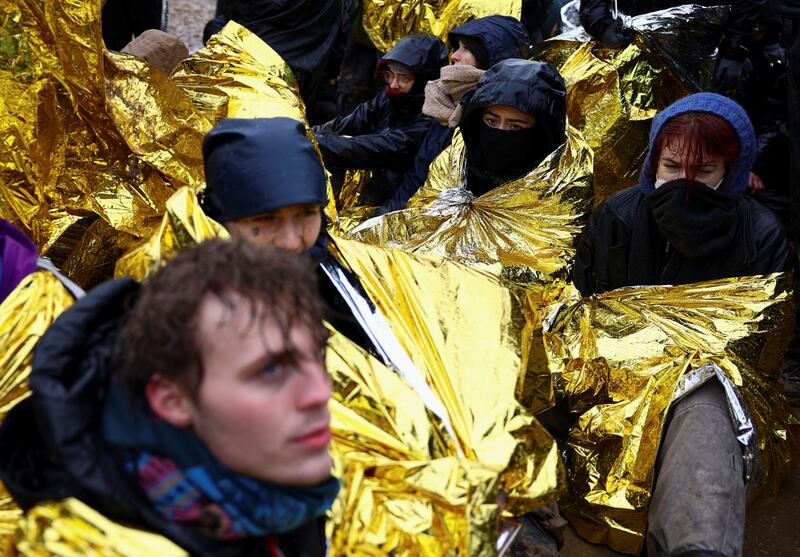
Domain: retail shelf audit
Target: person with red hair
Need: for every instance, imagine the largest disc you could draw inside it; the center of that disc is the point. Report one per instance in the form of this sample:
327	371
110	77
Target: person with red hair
687	221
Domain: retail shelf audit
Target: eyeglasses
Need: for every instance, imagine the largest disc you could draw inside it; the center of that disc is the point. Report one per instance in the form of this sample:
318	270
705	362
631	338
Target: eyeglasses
403	80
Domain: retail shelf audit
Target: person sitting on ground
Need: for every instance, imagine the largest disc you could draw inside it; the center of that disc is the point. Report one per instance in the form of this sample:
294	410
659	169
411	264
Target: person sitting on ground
384	133
194	406
266	185
599	21
477	46
688	221
514	120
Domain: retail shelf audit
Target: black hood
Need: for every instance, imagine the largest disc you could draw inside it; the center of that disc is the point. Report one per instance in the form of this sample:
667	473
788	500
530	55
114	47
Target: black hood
259	165
502	36
425	54
534	88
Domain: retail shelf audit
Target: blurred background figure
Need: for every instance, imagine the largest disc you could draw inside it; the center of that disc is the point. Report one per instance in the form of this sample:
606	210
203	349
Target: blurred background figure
125	19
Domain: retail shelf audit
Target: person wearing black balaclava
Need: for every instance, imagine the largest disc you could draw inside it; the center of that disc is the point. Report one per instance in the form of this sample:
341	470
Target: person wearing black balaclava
384	133
477	46
515	119
688	221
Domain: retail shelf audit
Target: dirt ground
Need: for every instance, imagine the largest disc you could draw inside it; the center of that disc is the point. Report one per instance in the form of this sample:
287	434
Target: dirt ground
773	523
187	19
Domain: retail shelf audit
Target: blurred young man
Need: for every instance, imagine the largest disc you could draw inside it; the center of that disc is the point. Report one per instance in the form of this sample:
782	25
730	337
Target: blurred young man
194	406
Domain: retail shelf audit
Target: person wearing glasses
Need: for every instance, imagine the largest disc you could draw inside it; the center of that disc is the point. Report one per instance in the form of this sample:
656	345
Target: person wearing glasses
384	133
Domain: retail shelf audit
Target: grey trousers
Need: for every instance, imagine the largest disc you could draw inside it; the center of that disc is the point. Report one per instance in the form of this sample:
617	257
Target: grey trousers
699	496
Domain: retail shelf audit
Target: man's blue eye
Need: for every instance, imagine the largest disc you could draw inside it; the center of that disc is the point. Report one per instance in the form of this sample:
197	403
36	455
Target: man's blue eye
272	369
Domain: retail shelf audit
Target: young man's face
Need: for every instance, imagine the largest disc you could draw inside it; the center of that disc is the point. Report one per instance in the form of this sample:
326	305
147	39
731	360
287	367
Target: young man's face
261	407
293	228
463	56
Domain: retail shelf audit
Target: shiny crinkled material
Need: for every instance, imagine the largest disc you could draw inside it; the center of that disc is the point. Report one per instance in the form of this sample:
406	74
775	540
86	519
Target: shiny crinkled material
618	359
388	21
183	225
236	75
410	485
85	138
24	317
524	231
70	527
613	94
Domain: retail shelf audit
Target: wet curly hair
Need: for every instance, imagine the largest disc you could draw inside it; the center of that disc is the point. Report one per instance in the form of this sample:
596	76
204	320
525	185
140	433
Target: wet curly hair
160	333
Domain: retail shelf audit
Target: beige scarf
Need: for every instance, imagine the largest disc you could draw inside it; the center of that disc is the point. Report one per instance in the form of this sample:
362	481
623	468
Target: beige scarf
442	97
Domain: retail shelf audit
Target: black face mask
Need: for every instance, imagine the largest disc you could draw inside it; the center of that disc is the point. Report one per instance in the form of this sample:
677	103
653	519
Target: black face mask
694	218
507	154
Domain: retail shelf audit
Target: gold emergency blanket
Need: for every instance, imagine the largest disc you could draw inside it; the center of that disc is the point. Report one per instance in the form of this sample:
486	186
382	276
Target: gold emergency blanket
24	317
410	485
618	358
236	75
85	138
524	231
613	94
70	528
388	21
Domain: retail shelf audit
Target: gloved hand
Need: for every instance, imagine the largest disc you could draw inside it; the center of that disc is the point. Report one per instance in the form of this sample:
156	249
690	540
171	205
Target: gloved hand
616	35
727	76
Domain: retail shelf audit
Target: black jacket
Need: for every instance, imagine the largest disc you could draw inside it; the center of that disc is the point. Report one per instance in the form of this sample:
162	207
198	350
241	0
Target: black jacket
385	132
303	32
606	249
503	37
595	16
51	446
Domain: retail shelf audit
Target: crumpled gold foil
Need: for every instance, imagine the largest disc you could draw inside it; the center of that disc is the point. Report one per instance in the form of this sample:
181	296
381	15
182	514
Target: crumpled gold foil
613	94
25	315
617	358
184	225
410	486
388	21
85	138
524	231
69	528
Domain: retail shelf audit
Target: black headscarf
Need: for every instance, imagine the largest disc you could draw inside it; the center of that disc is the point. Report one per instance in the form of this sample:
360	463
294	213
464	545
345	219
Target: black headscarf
259	165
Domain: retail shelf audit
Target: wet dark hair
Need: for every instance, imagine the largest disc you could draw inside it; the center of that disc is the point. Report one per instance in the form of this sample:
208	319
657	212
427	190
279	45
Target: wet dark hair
160	333
704	134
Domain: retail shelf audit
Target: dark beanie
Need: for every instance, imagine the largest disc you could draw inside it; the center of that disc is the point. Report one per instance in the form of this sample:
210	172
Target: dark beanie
259	165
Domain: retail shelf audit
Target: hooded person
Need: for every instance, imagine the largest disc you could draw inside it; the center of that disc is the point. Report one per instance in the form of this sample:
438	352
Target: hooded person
514	120
265	184
302	32
384	133
598	20
193	406
687	221
477	46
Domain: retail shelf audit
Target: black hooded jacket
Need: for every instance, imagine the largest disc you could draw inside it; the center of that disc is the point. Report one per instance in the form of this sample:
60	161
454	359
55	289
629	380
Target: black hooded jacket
625	242
502	37
533	88
385	132
303	32
51	444
595	16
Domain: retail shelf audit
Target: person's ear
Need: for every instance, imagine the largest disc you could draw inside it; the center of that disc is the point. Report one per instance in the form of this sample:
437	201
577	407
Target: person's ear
169	401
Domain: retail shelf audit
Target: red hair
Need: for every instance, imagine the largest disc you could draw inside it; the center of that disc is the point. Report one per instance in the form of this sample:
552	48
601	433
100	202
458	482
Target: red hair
703	135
